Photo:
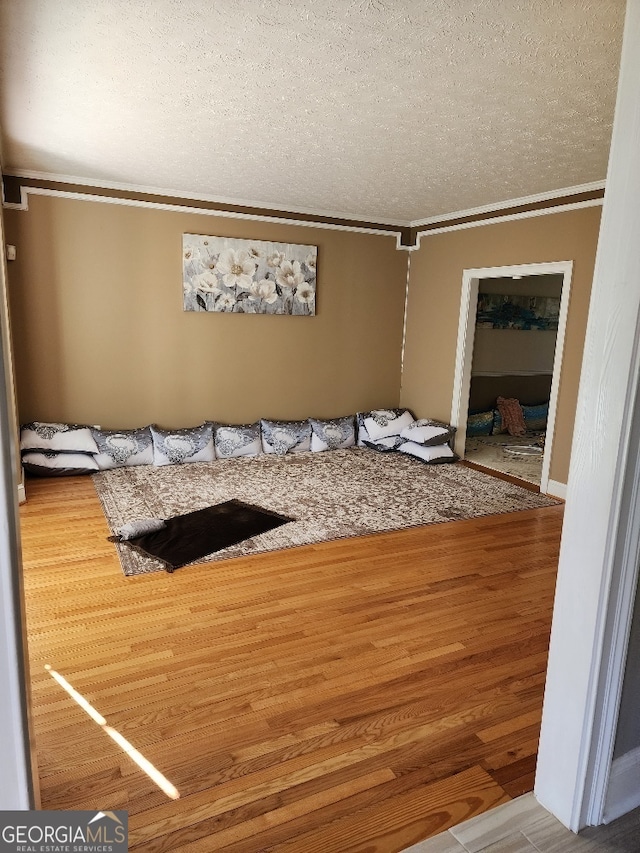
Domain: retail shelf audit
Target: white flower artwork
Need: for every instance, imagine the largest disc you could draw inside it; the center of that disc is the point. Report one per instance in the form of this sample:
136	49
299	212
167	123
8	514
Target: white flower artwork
248	276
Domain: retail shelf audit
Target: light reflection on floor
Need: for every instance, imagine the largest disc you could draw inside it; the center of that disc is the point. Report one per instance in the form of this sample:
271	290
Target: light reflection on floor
153	773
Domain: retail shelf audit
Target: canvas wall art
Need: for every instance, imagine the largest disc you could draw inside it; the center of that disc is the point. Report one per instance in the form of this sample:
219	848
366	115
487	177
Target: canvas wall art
248	276
496	311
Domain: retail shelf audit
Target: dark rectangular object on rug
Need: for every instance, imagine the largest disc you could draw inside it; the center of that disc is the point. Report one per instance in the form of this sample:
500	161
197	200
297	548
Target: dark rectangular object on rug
190	537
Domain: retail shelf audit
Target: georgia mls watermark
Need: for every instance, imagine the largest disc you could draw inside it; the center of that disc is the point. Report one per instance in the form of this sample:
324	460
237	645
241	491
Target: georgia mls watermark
63	832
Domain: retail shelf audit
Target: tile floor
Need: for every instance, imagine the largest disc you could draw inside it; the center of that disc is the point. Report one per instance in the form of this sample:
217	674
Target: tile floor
490	452
523	826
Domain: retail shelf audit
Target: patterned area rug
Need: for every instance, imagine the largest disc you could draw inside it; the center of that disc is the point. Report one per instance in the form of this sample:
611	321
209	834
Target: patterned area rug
331	495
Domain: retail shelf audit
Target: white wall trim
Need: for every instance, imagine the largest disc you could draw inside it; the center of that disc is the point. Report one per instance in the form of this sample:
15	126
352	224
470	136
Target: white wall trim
25	192
496	220
174	193
623	793
464	358
593	186
549	195
566	269
22	495
464	348
556	489
17	789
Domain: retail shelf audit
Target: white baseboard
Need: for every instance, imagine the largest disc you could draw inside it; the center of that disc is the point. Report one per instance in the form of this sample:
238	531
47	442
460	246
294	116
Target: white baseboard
623	793
556	489
22	495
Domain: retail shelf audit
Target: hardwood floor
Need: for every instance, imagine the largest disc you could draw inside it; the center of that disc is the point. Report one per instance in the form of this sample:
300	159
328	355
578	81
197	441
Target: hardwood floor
359	695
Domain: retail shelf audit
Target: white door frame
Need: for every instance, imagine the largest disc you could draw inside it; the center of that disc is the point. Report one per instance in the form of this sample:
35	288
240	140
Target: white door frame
600	549
464	352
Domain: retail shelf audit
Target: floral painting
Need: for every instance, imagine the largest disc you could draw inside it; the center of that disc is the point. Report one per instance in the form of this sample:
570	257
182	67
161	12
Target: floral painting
248	276
496	311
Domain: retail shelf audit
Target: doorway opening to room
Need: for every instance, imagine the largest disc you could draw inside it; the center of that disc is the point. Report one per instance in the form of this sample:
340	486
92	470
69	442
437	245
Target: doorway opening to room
508	363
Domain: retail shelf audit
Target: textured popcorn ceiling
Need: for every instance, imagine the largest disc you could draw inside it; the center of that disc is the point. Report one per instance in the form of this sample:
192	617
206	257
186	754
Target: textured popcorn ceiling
382	109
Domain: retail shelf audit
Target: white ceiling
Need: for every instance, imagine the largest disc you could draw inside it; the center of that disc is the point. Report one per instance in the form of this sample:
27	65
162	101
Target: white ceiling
374	109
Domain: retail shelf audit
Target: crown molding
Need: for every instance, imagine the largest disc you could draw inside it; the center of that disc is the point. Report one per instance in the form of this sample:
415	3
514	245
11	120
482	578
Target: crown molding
497	220
211	199
408	236
551	195
25	192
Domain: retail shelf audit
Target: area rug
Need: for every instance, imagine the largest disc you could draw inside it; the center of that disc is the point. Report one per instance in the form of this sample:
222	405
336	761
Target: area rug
331	495
189	537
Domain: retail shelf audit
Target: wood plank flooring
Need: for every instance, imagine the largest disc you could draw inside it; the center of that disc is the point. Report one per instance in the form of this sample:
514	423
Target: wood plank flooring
358	695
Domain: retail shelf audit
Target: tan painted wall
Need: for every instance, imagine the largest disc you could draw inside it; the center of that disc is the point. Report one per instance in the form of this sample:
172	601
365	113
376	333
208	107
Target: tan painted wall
435	290
101	337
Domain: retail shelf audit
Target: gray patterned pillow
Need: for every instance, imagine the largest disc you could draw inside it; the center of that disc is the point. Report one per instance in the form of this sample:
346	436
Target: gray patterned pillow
57	437
332	434
124	447
241	440
285	436
175	447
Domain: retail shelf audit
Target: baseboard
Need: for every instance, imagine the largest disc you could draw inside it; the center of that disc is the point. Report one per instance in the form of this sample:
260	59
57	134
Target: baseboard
22	495
623	793
556	489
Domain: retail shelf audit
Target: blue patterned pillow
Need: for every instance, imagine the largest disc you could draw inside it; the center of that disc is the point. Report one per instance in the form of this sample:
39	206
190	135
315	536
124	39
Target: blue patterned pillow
498	425
237	440
285	436
535	417
332	434
480	424
175	447
126	447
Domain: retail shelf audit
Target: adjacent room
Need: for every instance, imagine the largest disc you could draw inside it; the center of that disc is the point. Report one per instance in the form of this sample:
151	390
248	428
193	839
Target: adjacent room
237	241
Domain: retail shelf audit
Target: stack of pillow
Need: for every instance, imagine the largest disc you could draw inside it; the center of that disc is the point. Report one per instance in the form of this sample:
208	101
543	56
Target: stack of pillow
62	449
57	449
396	429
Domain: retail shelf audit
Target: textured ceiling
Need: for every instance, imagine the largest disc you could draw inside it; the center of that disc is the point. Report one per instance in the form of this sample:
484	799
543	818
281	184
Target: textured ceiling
390	110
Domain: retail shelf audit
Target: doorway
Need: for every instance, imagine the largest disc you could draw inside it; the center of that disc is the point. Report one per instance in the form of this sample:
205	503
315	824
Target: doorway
497	279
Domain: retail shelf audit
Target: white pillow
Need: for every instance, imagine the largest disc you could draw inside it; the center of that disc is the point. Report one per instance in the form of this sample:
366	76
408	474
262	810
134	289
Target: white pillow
434	453
176	447
38	461
427	432
363	435
46	436
384	423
